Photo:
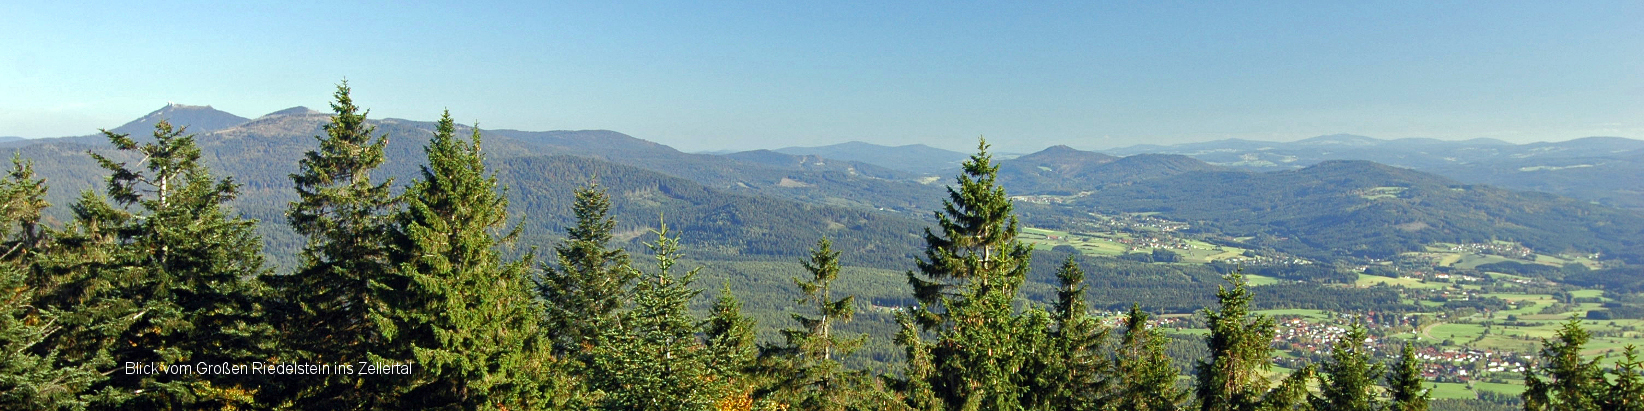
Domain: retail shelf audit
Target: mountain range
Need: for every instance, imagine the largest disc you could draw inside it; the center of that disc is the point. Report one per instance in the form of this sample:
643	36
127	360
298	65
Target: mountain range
770	204
1599	169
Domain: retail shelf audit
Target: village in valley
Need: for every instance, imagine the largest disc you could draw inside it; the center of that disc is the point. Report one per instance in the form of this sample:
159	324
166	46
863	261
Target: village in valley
1477	328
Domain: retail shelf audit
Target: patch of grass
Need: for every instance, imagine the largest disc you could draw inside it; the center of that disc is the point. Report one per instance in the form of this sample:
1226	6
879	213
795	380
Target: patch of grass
1366	280
1504	388
1260	280
1450	390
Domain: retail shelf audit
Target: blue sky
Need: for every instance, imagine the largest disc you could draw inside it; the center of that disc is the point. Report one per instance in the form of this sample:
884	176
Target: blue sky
742	75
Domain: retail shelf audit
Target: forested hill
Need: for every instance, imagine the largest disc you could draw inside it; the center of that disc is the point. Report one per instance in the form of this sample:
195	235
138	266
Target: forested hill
914	158
734	209
200	119
720	225
1373	210
1062	170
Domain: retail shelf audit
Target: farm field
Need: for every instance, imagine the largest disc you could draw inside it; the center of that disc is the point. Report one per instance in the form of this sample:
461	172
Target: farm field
1366	280
1114	244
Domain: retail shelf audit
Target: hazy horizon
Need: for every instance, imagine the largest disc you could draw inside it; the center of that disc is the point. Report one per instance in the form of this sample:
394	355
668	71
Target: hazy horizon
756	75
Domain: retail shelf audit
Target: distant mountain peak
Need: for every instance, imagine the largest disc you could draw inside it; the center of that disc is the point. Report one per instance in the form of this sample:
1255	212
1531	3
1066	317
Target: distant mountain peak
198	119
298	110
917	158
1062	154
1342	139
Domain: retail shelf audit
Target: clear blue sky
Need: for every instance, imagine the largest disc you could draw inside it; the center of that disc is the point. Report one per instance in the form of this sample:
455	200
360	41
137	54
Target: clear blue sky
771	74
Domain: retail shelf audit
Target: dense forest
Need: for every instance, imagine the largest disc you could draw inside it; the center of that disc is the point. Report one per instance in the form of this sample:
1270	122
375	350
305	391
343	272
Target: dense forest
154	294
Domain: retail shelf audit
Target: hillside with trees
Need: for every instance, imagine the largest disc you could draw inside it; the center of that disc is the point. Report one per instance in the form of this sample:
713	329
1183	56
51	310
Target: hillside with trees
441	277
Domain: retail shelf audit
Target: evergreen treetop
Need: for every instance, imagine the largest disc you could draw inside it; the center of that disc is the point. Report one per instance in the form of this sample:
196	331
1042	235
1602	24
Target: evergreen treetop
974	250
652	359
1405	386
1240	344
588	280
807	369
466	317
177	280
1573	382
334	305
1348	379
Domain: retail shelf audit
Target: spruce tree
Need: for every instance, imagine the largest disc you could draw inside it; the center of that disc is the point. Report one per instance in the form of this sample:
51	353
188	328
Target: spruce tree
465	316
729	340
1348	380
975	252
1146	378
31	376
808	369
966	286
1627	393
915	387
1240	344
1405	387
1572	382
588	281
1069	371
334	309
179	280
1292	392
651	359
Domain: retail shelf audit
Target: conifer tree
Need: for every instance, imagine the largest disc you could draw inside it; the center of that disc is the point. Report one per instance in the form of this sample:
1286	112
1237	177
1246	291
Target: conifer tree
729	340
915	387
809	373
586	284
1240	344
652	359
1627	392
976	251
31	376
180	274
1069	372
1572	382
1405	385
1146	378
1348	380
334	305
465	316
1292	392
966	285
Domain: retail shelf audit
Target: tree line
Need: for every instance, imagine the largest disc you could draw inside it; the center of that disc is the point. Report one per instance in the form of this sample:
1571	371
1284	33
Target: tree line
157	296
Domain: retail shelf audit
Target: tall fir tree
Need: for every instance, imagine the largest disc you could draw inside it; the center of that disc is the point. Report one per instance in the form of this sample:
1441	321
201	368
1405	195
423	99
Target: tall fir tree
1405	387
1348	380
966	286
652	359
31	376
976	251
1571	381
1240	345
1070	371
582	291
1146	380
588	280
807	368
333	310
177	281
465	317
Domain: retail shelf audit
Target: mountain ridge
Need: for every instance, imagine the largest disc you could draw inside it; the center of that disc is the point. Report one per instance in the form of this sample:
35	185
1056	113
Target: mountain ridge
196	119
